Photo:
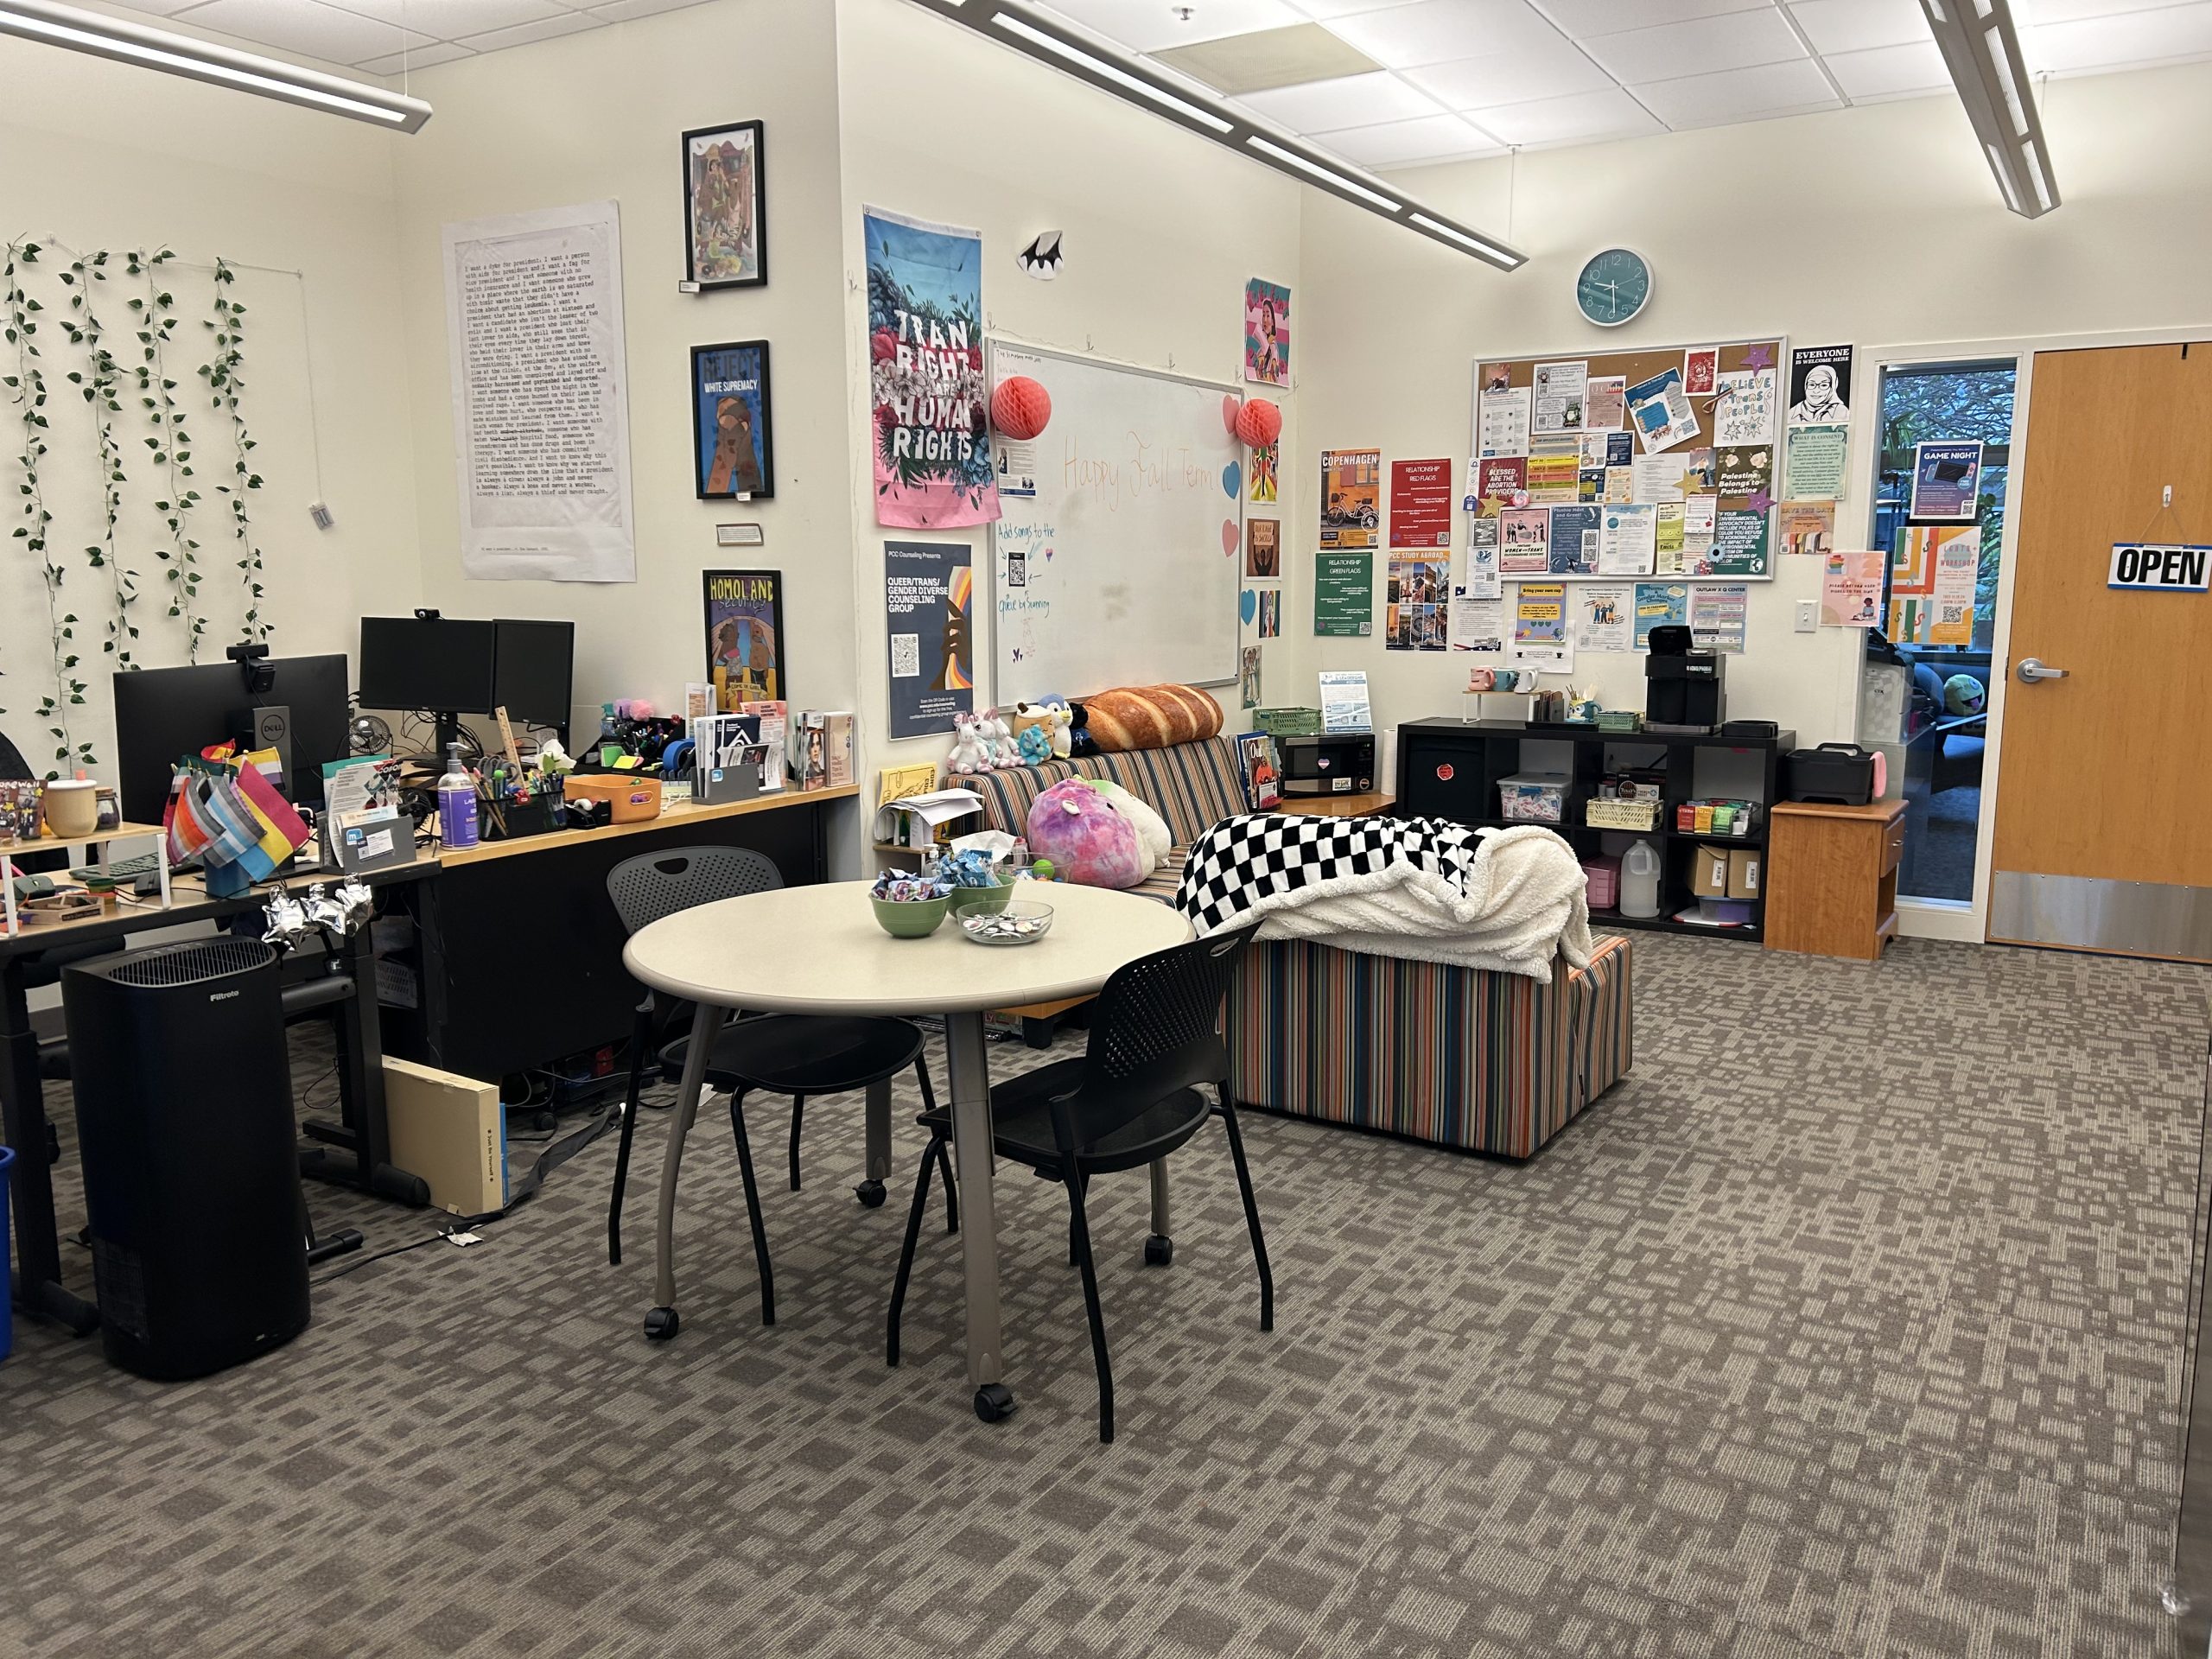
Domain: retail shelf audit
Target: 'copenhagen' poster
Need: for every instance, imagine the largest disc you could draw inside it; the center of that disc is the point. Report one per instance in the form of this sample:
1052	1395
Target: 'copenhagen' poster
931	433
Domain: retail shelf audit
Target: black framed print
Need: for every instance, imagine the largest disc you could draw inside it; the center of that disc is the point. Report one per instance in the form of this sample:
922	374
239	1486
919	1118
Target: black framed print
725	207
733	438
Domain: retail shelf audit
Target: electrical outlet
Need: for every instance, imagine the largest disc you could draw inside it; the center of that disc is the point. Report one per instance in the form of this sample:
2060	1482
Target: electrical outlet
1808	616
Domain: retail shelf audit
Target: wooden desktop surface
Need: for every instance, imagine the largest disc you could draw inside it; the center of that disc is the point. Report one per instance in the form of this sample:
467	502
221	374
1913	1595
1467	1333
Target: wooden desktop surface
1338	806
673	817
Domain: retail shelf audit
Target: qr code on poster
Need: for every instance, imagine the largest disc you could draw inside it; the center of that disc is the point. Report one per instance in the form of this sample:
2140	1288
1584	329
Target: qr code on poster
906	655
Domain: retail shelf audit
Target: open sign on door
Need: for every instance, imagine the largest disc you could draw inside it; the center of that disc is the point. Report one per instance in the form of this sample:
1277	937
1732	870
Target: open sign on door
2171	566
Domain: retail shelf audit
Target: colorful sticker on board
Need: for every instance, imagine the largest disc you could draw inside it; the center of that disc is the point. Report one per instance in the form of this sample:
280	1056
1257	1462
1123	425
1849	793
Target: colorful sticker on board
931	420
1266	332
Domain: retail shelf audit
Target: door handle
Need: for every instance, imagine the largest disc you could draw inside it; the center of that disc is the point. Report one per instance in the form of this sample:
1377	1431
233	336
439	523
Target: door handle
2033	668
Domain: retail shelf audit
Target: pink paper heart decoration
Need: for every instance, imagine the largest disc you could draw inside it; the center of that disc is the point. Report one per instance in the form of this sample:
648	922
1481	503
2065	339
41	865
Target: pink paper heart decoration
1229	404
1229	536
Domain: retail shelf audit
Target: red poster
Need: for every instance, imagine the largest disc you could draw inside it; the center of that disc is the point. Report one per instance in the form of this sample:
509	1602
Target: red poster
1505	479
1420	504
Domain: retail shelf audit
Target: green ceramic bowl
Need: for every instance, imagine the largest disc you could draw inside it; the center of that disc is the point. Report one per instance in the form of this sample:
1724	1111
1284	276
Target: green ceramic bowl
915	918
981	898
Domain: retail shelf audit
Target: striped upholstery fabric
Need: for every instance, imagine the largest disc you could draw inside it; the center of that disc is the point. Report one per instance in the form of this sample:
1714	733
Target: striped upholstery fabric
1192	785
1493	1063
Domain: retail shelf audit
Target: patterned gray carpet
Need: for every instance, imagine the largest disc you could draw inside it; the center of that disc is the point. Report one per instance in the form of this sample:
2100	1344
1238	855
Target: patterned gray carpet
1850	1324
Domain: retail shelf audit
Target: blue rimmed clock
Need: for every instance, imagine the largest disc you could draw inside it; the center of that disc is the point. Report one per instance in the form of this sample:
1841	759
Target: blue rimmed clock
1614	286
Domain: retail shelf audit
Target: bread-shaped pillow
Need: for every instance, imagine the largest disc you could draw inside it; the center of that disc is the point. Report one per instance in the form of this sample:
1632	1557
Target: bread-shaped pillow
1088	843
1151	717
1153	839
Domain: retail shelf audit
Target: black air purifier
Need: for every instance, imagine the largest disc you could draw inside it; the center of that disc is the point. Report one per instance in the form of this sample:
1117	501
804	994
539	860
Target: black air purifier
184	1123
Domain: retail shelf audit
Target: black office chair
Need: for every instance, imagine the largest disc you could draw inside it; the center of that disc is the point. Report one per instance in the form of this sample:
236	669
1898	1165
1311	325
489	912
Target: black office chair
789	1054
1133	1098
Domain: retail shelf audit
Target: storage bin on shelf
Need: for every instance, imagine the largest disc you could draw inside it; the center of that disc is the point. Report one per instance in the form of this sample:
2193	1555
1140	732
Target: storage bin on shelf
1533	798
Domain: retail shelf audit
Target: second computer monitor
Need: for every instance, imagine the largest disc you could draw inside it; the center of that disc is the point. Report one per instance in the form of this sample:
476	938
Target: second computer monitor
440	665
534	664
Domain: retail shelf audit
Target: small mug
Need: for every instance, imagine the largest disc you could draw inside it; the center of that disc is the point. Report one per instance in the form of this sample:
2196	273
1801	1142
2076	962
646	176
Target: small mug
73	808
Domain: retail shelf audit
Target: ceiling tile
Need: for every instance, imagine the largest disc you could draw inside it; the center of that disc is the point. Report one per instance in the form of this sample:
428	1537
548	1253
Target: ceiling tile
1584	19
1860	25
1582	118
1739	94
1520	77
1889	72
158	7
306	27
399	63
2166	35
1436	137
2065	11
1704	46
1354	101
571	23
622	10
448	20
1149	25
1326	8
1437	31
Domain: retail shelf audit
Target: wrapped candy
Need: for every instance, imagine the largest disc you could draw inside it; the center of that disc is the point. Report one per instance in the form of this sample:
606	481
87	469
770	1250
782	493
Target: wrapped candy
899	888
972	869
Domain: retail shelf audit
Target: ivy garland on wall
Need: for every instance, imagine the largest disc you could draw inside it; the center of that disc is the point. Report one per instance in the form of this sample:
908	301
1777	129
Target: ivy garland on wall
116	545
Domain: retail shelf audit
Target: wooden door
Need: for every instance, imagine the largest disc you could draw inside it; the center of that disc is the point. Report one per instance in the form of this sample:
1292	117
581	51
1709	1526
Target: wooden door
2104	795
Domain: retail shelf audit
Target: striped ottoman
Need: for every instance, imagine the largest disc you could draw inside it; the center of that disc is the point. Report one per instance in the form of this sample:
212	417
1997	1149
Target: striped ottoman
1492	1063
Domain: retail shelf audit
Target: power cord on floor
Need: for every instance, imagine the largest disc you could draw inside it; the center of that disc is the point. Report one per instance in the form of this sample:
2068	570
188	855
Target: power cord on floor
359	1262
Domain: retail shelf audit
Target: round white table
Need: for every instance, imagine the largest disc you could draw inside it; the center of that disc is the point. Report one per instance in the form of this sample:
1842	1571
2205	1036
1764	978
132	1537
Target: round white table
817	950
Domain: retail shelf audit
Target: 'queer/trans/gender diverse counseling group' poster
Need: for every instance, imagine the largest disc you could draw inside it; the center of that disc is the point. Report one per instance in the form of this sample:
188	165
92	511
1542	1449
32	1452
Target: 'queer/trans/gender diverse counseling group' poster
929	590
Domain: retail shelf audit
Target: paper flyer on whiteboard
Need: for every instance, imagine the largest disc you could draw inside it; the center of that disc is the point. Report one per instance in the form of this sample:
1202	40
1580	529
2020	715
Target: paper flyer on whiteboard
1717	610
1502	422
1604	616
1558	390
541	404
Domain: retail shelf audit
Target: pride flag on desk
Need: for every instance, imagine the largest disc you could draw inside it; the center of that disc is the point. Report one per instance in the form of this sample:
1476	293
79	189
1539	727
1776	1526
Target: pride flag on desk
224	811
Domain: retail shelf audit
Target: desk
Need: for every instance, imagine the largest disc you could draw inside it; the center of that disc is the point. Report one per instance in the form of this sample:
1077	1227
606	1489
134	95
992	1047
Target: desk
24	961
829	957
1832	878
518	953
1338	806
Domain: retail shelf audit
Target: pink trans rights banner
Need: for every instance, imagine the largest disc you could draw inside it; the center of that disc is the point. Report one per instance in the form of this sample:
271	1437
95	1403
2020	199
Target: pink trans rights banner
931	433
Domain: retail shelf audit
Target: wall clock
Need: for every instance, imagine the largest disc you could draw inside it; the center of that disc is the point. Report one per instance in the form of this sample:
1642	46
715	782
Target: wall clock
1614	287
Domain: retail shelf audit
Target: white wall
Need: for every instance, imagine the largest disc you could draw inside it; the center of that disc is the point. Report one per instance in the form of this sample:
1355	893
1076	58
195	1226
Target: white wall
598	116
1878	226
1162	232
100	156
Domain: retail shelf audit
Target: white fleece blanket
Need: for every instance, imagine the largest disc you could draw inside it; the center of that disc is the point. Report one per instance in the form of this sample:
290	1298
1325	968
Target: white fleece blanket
1508	901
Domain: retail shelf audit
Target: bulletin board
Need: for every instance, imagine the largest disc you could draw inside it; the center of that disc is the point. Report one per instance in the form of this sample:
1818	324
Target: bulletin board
1592	458
1116	559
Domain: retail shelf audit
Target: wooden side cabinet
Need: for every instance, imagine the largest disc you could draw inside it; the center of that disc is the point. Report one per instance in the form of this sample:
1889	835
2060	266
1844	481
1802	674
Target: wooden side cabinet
1832	878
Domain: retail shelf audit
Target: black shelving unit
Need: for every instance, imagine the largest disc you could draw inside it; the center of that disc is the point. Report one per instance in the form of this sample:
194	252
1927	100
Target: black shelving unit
1451	769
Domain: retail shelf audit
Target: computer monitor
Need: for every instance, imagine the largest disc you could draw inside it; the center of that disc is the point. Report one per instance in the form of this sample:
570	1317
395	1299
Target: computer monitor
535	666
161	714
440	665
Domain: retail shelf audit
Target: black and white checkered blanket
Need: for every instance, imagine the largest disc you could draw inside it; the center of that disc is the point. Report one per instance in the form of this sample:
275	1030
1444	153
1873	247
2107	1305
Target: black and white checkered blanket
1426	889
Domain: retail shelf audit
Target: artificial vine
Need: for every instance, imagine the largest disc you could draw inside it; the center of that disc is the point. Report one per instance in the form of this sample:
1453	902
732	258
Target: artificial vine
28	384
171	443
98	382
225	383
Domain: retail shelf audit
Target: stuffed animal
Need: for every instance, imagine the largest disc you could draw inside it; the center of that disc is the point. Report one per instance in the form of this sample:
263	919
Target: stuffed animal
1153	839
1036	748
1076	827
1057	717
970	749
1000	736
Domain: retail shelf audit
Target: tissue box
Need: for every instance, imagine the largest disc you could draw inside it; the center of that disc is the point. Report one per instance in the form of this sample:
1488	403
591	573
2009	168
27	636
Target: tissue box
1533	798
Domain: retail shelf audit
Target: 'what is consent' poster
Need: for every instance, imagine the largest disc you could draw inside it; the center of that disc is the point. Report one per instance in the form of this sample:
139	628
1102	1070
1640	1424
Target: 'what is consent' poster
929	591
931	434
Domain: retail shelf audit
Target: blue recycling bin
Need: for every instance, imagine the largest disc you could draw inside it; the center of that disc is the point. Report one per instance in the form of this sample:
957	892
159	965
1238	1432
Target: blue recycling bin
6	1200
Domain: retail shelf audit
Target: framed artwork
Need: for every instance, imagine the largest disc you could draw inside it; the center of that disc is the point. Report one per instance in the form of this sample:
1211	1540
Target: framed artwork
732	429
744	614
725	207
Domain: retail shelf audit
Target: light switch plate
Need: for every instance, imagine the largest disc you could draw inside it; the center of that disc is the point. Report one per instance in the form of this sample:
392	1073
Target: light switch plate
1808	616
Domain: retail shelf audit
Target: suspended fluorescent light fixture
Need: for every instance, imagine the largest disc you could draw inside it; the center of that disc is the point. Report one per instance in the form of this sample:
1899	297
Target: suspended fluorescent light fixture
1981	49
218	66
1052	41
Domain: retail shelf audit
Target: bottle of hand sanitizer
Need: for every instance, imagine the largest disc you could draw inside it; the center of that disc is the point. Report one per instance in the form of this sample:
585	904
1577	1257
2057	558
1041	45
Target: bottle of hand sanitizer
456	802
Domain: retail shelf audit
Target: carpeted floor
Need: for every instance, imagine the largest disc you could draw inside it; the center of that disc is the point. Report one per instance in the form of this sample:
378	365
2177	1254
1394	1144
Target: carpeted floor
1850	1324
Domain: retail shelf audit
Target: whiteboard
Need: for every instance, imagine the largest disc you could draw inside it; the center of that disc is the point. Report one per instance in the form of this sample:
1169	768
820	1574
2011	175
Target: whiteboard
1116	557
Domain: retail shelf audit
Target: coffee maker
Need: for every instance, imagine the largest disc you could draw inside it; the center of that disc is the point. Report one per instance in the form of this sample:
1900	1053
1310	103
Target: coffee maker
1682	689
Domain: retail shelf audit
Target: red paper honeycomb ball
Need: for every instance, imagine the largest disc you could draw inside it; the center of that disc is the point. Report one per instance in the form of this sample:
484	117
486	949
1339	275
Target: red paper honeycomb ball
1259	421
1020	408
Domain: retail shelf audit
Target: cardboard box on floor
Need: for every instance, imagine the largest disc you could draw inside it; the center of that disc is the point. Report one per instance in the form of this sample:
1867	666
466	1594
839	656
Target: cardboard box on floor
451	1130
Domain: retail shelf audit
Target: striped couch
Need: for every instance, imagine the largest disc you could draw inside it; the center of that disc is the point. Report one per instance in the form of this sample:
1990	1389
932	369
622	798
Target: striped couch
1491	1063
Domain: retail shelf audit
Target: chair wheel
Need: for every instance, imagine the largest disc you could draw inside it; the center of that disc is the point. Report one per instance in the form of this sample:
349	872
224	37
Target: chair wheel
871	1195
1159	1250
995	1402
662	1324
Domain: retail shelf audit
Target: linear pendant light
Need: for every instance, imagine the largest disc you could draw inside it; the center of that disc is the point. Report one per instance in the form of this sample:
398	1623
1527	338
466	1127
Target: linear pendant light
1981	49
218	66
1049	40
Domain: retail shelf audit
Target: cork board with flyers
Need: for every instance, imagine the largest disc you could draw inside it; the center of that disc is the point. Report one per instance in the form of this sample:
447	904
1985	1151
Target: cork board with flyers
1655	462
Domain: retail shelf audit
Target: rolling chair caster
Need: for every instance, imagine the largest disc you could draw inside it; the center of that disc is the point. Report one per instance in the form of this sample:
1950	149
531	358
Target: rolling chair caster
871	1195
1159	1250
662	1324
995	1402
